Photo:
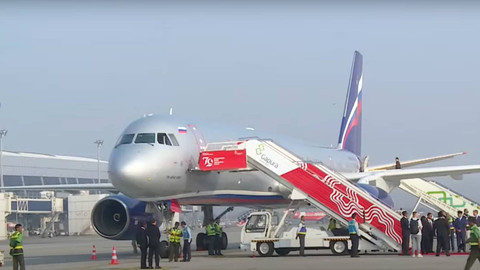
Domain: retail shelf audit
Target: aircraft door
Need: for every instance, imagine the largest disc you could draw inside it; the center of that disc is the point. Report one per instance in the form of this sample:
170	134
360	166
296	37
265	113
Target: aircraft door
198	135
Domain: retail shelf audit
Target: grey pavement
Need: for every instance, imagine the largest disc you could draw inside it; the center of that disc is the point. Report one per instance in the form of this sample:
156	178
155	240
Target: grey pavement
74	252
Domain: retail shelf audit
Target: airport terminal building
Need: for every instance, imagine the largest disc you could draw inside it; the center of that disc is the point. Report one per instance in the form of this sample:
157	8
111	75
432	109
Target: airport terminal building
37	208
30	169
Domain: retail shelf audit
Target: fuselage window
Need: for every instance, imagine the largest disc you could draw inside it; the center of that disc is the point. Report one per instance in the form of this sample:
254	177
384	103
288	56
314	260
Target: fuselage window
125	139
174	140
163	139
145	138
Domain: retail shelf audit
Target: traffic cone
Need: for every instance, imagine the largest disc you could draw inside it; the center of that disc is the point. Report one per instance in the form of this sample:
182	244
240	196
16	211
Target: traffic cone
114	256
94	253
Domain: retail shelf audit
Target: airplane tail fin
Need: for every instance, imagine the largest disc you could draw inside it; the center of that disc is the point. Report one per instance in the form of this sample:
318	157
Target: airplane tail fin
351	130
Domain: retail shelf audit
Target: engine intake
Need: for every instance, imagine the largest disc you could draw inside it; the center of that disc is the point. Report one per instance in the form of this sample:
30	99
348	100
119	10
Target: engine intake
114	217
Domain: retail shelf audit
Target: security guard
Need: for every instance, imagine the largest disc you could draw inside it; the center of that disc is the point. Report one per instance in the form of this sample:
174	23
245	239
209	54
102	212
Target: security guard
175	236
210	230
474	243
353	231
218	237
301	233
16	248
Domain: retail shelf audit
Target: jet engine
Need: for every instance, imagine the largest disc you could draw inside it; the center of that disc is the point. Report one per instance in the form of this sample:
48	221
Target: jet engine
115	217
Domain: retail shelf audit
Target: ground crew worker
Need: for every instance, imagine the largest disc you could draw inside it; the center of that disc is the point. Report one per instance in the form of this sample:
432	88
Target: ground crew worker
187	240
218	238
353	232
474	241
301	233
397	163
16	248
142	242
175	236
210	230
332	224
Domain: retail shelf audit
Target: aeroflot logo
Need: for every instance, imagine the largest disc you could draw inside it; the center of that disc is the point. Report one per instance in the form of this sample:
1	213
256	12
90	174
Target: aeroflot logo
259	151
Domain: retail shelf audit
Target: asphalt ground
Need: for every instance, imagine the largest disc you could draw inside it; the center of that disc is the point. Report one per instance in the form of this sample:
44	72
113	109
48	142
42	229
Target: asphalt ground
74	252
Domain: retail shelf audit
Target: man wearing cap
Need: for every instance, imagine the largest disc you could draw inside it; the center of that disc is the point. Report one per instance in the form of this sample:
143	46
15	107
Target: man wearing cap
16	248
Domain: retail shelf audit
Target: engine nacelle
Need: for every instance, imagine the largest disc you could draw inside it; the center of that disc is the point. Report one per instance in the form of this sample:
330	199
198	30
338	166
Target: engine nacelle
114	217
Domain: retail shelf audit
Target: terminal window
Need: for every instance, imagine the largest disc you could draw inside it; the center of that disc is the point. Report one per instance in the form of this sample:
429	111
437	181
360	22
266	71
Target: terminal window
12	180
51	180
85	181
32	180
72	181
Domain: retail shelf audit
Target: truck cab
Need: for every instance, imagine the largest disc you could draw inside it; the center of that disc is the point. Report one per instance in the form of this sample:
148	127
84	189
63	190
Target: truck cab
266	233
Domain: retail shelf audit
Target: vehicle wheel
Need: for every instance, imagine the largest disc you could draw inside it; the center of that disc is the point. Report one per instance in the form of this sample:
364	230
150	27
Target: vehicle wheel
201	241
224	241
282	251
339	247
265	248
164	249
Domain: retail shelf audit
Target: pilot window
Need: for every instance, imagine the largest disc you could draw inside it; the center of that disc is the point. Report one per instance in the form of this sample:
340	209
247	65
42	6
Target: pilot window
163	139
125	139
145	138
174	140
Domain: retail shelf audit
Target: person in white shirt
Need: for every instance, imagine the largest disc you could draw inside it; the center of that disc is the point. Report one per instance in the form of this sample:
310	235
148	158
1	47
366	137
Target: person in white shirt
416	234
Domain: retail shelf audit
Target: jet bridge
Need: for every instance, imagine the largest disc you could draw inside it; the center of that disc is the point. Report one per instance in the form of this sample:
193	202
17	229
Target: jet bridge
437	196
327	190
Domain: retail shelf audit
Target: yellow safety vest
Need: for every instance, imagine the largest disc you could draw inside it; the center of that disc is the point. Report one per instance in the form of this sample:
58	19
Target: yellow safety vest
175	235
16	247
210	230
218	229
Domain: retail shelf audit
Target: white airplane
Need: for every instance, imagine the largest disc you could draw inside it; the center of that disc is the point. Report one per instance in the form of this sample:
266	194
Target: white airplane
154	166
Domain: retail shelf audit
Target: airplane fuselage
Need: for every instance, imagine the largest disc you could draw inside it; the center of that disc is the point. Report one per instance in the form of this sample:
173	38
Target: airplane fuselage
156	160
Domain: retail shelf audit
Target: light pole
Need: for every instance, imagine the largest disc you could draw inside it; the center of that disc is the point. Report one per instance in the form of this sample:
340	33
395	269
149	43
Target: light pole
99	144
3	133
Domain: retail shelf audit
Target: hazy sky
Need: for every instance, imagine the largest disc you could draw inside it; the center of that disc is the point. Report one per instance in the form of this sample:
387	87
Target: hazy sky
75	71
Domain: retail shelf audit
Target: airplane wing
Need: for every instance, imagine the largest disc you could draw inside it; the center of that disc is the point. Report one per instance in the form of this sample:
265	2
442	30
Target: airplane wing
103	186
456	172
413	162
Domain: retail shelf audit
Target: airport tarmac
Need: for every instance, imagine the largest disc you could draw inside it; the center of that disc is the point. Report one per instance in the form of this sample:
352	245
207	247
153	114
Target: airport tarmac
74	252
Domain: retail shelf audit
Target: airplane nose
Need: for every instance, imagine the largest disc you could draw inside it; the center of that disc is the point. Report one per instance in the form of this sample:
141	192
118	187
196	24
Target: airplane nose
128	171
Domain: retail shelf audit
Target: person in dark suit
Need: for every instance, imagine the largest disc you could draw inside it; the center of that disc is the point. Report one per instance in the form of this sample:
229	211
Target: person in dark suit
142	242
477	218
423	245
154	244
429	233
405	233
442	230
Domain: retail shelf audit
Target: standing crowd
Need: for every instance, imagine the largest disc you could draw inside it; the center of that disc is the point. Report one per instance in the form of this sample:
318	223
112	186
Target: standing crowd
463	228
148	240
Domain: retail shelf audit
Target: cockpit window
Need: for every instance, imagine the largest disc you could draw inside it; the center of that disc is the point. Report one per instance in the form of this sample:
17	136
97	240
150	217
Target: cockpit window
125	139
145	138
174	140
163	139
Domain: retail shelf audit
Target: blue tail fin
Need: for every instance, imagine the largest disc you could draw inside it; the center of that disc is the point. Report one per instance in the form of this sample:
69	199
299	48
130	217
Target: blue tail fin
351	131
